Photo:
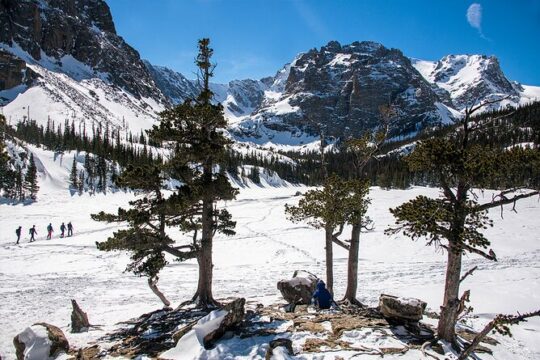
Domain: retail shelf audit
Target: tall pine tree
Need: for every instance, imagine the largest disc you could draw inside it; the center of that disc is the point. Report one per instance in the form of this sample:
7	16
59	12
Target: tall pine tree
195	129
31	179
455	221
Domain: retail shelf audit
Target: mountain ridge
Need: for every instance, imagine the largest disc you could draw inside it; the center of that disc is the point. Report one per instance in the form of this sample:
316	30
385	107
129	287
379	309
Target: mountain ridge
64	60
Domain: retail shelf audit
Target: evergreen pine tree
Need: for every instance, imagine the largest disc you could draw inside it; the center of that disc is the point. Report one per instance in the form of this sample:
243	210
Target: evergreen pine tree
255	175
455	221
74	175
30	179
326	209
194	129
6	175
146	237
19	184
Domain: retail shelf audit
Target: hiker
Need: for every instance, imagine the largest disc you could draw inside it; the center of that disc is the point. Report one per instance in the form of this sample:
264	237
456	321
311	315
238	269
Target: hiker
33	232
70	229
49	231
62	229
18	232
322	297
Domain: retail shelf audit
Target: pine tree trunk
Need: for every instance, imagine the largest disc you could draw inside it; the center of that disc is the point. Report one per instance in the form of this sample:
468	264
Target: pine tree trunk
446	329
203	296
352	266
329	260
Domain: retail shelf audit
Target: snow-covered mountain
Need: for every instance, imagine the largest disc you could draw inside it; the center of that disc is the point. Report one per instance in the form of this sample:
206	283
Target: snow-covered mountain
342	88
64	60
469	78
239	97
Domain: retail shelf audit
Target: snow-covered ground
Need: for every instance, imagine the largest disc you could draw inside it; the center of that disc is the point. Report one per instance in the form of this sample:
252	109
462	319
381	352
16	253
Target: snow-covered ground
39	279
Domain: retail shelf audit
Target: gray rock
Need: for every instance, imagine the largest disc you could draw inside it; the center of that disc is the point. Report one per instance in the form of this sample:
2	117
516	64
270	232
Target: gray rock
401	309
286	343
299	289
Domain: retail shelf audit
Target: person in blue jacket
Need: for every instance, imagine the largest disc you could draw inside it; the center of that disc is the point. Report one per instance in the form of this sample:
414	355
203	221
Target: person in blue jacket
322	297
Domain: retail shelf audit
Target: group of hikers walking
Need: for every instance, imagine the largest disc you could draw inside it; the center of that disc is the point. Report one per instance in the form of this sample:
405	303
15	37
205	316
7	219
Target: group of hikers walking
50	230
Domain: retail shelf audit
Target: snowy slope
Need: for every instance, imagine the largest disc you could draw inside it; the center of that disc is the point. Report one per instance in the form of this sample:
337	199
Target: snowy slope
69	89
39	279
474	77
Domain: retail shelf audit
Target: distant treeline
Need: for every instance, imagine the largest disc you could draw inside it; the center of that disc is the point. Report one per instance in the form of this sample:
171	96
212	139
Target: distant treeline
510	127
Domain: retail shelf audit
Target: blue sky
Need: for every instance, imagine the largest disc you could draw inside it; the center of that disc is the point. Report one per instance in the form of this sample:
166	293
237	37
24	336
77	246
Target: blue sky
255	38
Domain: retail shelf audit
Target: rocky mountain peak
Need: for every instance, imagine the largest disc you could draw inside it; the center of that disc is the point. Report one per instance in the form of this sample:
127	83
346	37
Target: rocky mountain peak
468	78
342	87
57	31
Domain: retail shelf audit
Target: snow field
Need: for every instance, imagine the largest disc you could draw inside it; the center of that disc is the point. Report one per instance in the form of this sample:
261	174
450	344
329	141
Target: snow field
39	279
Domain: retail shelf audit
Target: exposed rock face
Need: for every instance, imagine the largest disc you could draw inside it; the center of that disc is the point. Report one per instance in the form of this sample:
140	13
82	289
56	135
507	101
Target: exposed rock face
79	319
299	289
175	86
40	341
342	88
13	71
401	309
83	29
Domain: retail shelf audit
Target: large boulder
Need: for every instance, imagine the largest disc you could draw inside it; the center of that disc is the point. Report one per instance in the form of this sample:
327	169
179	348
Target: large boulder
401	309
40	341
299	289
79	319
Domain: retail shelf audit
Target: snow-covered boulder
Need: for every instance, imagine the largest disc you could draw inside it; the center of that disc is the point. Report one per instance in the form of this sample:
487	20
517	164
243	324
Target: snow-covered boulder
233	318
401	309
299	289
279	349
40	341
206	332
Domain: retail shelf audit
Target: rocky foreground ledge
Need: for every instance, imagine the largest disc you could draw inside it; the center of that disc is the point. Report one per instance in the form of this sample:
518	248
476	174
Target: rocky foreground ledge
254	331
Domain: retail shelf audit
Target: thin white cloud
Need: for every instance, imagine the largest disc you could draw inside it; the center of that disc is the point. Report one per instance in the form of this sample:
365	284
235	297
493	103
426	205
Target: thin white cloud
474	16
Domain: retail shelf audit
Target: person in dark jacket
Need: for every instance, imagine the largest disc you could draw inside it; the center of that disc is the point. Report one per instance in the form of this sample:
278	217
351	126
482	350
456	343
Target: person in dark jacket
70	229
18	232
62	229
49	231
322	297
33	232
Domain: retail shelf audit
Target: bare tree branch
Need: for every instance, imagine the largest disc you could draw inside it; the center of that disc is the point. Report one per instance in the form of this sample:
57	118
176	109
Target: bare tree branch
505	200
468	273
499	320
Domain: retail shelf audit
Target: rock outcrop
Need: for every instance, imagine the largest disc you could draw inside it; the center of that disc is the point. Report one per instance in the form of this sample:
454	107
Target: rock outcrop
13	71
299	289
279	345
79	319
